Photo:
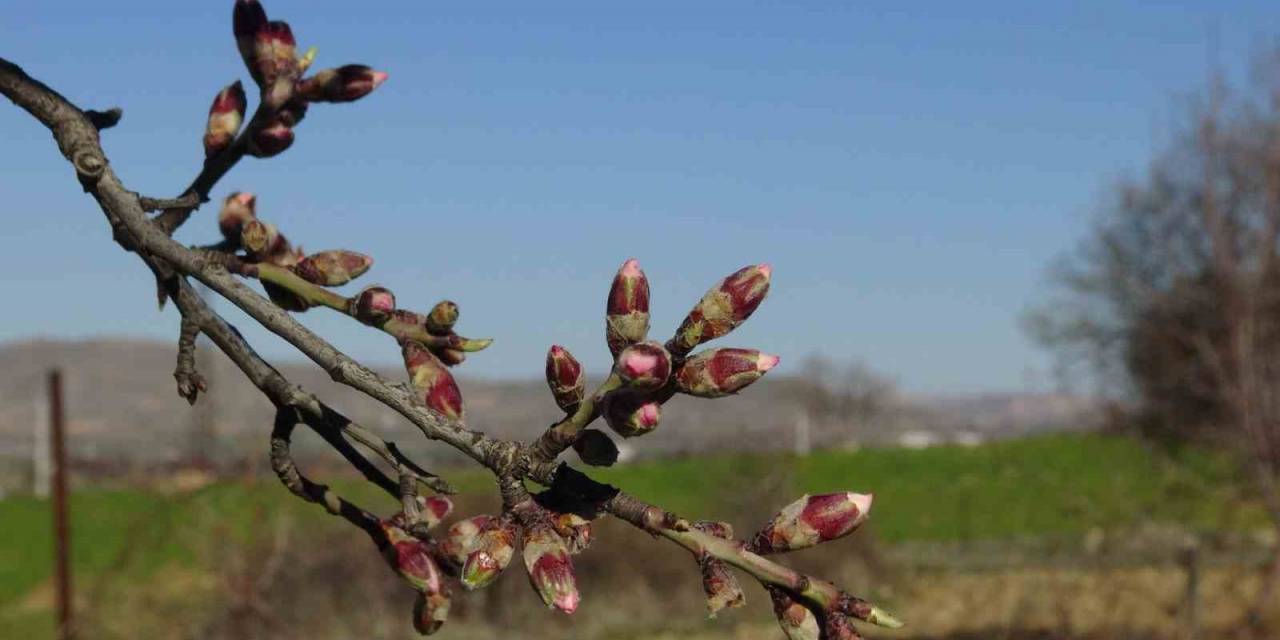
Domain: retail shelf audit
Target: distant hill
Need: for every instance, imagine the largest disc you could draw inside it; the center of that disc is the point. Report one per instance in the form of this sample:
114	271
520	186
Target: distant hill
121	405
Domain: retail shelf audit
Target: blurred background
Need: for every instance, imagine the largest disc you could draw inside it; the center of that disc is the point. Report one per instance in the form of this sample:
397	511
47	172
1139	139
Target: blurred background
1025	290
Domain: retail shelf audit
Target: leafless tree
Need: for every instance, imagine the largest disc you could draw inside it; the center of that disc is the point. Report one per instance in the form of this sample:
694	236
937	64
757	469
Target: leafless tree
1174	296
551	525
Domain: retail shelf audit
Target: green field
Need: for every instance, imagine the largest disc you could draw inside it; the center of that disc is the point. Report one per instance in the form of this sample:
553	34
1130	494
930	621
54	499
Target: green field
1045	486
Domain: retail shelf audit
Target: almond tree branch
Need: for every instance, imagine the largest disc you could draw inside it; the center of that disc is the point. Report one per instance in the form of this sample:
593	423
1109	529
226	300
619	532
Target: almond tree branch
77	138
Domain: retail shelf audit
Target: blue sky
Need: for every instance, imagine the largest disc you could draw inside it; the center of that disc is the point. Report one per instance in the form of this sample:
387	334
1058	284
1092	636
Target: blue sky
909	171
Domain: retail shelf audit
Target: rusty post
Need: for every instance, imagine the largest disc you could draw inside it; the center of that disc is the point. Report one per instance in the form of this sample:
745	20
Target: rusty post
61	521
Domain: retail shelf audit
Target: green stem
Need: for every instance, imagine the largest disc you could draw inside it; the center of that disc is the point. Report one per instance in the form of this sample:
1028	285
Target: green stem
561	435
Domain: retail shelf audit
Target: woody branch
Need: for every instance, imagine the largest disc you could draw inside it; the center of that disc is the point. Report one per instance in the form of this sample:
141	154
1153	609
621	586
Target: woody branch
551	525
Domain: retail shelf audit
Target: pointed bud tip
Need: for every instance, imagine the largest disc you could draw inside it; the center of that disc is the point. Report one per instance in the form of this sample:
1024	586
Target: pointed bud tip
631	267
245	198
862	501
649	414
557	350
765	268
567	602
378	77
766	362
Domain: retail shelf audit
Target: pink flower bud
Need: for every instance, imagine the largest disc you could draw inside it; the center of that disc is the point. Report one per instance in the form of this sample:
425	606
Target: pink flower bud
564	376
720	585
723	308
237	209
432	380
430	612
796	620
595	448
812	520
373	305
546	558
631	414
490	553
411	558
721	372
460	539
627	311
442	317
574	529
343	84
225	117
270	140
644	365
332	268
434	509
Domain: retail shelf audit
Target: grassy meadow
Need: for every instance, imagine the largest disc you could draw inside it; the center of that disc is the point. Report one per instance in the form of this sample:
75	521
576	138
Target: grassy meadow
1061	488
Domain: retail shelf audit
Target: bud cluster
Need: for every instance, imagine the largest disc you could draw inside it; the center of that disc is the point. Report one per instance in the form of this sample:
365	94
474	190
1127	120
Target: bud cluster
270	52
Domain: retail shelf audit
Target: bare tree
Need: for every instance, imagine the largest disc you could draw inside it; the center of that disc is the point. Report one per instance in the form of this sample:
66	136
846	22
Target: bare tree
551	525
1174	297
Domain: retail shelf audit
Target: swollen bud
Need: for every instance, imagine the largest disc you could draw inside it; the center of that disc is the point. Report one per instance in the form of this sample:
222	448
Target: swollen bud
461	537
627	311
720	586
796	620
546	558
432	380
225	117
644	365
343	84
812	520
248	19
595	448
237	209
430	611
721	372
262	241
631	414
373	305
434	509
723	308
489	554
332	268
564	376
442	317
270	140
411	558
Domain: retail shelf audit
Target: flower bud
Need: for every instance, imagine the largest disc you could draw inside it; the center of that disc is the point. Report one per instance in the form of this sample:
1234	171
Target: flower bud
273	58
430	612
546	558
796	620
812	520
343	84
631	414
247	20
460	539
574	529
270	140
225	117
450	357
434	509
432	380
596	448
442	317
564	376
627	311
720	585
237	209
373	305
722	530
723	308
262	241
332	268
411	558
720	372
490	553
644	365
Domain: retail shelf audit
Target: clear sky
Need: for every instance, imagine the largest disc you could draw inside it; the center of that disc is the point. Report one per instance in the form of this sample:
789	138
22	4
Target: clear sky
908	170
